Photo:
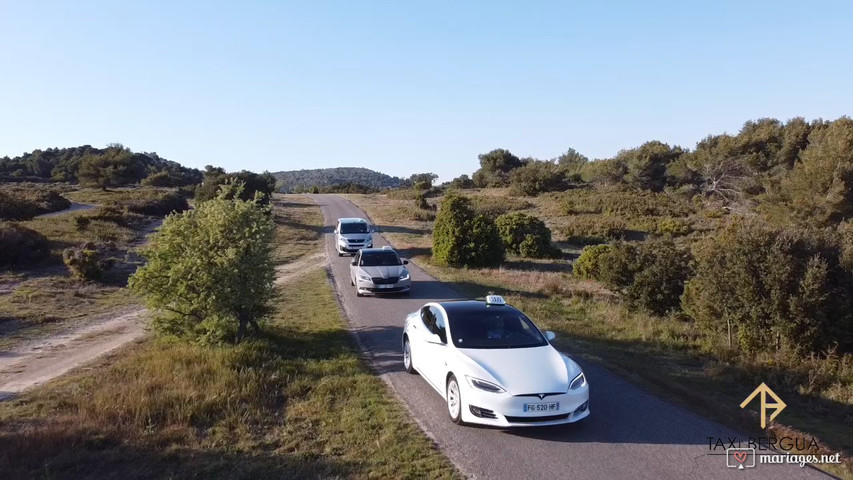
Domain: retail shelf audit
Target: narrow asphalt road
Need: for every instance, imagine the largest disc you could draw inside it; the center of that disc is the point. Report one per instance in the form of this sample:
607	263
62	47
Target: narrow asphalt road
629	433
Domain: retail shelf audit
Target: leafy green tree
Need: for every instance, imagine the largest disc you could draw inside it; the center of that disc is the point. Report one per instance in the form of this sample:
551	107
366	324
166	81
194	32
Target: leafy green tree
422	181
210	270
461	182
821	184
767	289
572	161
607	172
114	168
646	165
462	238
536	177
215	177
526	235
495	167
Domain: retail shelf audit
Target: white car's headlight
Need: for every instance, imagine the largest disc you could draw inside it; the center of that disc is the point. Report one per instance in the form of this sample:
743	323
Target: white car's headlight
484	385
405	275
364	277
342	240
578	382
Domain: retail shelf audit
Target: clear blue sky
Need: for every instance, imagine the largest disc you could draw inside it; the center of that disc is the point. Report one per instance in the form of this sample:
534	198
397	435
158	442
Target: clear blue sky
424	86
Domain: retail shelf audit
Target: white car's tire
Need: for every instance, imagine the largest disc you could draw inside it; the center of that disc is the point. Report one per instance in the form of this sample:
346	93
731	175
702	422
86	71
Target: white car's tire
454	400
407	358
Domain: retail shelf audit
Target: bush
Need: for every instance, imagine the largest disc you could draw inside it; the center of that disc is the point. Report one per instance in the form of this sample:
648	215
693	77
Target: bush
537	177
673	227
768	289
650	275
588	265
164	205
462	238
25	202
210	270
526	235
20	245
170	178
88	261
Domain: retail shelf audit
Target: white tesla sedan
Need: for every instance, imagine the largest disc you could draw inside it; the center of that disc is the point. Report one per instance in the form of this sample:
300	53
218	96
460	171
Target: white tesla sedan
492	365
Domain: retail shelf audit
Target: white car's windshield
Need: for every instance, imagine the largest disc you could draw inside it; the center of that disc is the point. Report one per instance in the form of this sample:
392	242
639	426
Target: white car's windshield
495	328
379	259
354	227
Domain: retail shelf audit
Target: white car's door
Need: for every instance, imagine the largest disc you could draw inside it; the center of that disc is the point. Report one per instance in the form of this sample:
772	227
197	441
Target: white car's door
435	346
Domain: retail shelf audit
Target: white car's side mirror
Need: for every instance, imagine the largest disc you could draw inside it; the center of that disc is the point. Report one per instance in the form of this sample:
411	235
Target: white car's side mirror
549	335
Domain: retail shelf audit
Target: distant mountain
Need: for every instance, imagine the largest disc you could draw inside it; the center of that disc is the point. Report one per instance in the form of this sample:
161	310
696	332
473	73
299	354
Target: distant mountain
324	177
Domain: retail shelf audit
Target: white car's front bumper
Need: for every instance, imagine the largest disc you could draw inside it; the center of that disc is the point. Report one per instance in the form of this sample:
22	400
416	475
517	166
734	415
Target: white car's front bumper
505	410
367	286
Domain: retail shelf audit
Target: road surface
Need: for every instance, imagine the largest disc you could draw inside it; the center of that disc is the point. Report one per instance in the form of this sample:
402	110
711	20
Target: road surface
629	433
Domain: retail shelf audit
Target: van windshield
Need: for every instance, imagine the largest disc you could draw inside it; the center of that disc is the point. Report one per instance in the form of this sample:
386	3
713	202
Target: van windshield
354	227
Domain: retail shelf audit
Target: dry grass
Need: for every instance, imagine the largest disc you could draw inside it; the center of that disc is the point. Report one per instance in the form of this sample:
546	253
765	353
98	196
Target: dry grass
296	401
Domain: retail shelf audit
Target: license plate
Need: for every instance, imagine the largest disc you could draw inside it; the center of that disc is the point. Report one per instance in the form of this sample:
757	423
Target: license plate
542	407
385	286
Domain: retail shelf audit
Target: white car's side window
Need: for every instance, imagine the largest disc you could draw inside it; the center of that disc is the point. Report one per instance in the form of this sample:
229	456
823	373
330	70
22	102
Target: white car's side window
440	324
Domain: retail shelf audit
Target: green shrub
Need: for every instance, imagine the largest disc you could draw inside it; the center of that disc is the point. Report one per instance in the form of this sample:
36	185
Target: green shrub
20	245
588	265
210	270
462	238
88	261
170	178
650	275
672	226
769	289
526	235
537	177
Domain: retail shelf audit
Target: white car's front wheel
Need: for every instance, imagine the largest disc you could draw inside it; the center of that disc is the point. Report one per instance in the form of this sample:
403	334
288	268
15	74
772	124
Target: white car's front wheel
454	400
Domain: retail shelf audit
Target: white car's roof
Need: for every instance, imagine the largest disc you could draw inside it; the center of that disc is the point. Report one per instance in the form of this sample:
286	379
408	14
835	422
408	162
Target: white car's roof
352	220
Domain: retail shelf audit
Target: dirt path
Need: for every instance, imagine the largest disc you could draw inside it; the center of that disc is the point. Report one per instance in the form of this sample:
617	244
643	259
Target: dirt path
75	207
39	361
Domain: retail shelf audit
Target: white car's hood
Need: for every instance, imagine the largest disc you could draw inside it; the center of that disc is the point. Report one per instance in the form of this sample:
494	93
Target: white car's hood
355	236
383	272
523	370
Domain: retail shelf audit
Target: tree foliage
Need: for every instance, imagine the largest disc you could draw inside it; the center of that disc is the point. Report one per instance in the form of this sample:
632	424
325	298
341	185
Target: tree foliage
116	167
462	238
537	177
20	245
252	184
302	180
210	270
495	167
769	289
526	235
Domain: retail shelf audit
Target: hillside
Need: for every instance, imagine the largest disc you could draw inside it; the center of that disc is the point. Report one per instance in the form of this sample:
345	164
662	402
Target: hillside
62	165
324	177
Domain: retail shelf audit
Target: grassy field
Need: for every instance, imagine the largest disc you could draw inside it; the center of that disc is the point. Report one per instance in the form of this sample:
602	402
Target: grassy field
591	322
296	401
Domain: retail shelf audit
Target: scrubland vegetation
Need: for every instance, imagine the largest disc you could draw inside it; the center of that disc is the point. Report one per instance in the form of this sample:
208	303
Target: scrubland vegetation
722	266
294	400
